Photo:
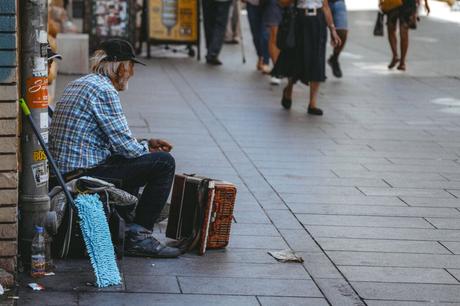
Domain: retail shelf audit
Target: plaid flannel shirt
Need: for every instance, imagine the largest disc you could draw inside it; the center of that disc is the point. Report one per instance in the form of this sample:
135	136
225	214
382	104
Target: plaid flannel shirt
88	125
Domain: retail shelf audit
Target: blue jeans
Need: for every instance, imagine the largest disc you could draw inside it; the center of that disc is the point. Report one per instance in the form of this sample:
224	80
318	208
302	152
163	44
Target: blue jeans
155	171
259	31
215	18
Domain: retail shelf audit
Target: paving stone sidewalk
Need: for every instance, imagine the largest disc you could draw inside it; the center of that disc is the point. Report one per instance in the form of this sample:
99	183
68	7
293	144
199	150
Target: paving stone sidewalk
367	194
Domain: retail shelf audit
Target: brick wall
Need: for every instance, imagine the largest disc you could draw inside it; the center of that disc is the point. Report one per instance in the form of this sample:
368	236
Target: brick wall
8	139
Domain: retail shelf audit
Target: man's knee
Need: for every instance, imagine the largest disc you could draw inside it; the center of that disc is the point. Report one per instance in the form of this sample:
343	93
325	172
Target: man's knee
163	159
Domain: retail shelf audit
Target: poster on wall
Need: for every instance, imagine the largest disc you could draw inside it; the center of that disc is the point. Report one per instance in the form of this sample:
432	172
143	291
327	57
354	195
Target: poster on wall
112	18
173	20
109	19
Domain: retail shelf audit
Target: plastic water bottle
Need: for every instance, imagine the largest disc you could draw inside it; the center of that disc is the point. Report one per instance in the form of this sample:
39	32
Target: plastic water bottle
38	260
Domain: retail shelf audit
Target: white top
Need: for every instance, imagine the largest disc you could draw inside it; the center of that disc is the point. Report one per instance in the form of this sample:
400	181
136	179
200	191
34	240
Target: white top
309	4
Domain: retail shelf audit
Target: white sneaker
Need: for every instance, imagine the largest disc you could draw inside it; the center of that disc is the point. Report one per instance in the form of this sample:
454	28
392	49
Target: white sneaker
275	81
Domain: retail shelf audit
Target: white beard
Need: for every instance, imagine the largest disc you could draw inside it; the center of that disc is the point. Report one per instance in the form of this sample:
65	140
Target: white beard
123	83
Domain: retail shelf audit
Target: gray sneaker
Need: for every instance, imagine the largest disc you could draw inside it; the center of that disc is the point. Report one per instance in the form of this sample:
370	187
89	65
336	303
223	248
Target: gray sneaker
140	242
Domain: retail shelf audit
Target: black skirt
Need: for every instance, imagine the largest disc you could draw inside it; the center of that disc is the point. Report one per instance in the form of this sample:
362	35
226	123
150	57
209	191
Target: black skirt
307	60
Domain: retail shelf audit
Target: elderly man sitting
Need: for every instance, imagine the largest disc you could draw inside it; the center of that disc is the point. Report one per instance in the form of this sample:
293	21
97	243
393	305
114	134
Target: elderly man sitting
89	135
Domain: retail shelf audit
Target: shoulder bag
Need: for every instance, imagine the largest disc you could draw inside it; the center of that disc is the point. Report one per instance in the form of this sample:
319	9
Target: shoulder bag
389	5
285	39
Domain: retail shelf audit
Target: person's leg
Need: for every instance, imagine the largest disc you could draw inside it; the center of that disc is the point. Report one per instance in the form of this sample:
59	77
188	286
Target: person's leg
339	14
286	100
155	171
393	40
208	20
221	18
264	44
333	60
229	31
274	52
343	34
160	171
287	92
404	37
235	20
272	48
253	19
312	108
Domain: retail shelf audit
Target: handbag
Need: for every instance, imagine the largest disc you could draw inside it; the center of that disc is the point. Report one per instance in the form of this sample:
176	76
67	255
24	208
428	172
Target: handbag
378	28
285	39
388	5
112	199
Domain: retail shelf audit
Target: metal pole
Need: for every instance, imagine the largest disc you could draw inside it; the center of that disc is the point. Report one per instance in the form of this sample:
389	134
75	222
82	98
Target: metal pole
34	203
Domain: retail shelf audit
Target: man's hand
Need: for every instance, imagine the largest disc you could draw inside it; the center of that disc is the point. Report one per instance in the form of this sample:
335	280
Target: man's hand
285	3
159	145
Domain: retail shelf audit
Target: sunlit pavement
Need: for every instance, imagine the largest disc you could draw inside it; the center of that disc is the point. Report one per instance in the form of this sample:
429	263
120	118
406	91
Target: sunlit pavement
368	194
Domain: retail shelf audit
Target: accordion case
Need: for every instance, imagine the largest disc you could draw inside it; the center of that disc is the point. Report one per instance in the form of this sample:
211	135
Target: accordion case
201	212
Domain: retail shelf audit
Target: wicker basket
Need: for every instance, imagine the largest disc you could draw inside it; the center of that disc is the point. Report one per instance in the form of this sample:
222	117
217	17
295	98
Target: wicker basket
201	212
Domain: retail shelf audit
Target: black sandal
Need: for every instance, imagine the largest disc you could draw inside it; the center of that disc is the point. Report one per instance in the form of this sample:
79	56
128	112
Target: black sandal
393	63
401	67
285	102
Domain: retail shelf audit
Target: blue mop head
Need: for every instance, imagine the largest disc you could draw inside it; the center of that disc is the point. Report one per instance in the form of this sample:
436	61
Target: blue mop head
96	234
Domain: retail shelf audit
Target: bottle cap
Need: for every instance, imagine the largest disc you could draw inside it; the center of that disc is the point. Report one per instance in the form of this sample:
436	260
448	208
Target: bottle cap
39	229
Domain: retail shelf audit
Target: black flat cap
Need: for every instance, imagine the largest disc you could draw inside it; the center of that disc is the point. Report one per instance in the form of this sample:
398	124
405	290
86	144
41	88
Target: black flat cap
119	50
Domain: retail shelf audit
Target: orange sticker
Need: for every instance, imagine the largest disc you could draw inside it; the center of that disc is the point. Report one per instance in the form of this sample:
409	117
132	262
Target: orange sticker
37	92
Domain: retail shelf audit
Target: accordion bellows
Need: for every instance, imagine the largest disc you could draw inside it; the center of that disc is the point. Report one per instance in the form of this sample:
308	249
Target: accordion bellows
201	211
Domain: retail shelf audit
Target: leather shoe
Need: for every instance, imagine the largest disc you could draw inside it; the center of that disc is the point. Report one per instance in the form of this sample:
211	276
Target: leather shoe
285	102
315	111
335	66
213	60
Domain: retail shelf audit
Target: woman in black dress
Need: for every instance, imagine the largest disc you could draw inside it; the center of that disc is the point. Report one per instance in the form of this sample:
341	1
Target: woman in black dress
306	62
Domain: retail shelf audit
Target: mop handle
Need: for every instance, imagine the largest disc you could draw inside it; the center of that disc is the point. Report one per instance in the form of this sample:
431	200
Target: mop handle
26	111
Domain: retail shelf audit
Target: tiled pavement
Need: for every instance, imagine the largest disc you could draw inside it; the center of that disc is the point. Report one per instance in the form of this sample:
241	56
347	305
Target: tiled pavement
367	194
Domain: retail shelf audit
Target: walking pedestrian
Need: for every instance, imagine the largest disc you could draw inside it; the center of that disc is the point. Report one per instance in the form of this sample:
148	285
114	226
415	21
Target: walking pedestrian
406	17
339	15
272	17
259	34
306	61
215	17
232	35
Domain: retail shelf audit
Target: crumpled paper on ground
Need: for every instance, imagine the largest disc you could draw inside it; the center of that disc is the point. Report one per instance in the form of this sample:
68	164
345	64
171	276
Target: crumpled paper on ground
285	256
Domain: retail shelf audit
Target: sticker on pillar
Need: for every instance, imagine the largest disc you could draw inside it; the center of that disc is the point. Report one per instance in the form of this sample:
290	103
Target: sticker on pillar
44	50
37	92
40	67
40	173
44	120
45	137
39	155
42	36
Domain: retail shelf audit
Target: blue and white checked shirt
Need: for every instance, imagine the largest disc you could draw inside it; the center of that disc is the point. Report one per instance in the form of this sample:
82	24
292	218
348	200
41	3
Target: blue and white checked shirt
88	125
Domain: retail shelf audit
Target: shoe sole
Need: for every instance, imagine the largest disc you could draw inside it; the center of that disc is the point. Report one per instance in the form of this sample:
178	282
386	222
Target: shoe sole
337	75
140	254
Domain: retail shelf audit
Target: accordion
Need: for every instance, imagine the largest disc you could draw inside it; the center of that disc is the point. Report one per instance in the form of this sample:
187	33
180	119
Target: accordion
201	212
